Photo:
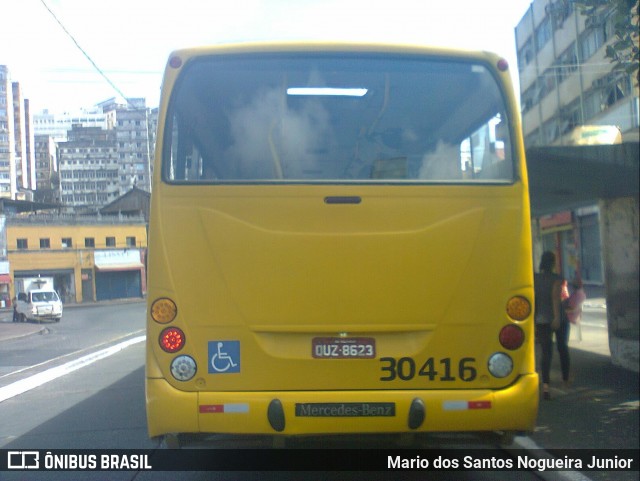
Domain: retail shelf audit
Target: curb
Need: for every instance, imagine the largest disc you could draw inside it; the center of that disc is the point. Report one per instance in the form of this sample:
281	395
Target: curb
19	335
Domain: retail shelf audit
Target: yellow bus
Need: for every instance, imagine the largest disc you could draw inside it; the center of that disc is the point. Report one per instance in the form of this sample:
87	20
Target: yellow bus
339	243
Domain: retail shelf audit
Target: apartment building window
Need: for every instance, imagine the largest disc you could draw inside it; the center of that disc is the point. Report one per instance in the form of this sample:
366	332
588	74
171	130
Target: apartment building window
567	63
110	241
591	41
131	241
616	87
22	243
67	243
550	130
529	98
570	117
45	243
593	104
543	33
89	242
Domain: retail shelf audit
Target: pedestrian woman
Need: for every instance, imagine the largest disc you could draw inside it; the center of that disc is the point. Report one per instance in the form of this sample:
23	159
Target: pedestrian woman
548	288
573	305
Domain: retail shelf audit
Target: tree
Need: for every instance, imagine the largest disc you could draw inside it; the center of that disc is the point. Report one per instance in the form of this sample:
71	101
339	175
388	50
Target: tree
624	49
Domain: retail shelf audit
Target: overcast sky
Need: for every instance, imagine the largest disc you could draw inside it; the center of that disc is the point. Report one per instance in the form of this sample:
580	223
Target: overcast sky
130	40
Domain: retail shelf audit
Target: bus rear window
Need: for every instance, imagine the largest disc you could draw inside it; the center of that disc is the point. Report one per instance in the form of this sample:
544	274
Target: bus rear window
336	119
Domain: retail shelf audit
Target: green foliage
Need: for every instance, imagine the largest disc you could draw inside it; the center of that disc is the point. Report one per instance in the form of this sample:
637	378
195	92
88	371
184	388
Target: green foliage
624	49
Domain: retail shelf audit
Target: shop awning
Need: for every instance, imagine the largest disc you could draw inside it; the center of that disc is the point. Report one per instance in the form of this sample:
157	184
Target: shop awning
119	267
5	279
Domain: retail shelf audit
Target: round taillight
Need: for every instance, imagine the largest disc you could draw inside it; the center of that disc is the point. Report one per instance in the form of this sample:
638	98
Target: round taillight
183	368
172	339
503	65
511	337
500	365
518	308
163	310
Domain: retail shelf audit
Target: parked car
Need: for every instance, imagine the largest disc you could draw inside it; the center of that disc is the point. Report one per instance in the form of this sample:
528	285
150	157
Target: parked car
38	305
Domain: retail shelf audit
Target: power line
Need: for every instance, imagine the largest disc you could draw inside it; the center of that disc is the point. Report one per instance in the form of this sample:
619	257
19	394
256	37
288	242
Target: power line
98	69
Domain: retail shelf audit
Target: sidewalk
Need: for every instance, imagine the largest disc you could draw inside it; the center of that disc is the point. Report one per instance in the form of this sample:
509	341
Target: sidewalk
599	409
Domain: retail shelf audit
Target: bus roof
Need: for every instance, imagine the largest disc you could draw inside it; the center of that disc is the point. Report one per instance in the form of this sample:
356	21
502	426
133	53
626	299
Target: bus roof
329	46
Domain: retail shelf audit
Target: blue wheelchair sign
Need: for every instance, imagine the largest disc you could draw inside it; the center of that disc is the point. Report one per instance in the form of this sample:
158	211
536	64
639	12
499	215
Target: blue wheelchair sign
224	357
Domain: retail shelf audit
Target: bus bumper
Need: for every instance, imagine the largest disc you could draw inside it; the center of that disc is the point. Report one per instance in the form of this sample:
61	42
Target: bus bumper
170	410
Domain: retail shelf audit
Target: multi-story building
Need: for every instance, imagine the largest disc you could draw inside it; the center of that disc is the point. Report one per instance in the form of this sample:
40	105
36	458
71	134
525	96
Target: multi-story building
99	162
135	145
89	167
7	136
84	159
58	124
566	83
30	171
48	186
24	144
17	148
86	258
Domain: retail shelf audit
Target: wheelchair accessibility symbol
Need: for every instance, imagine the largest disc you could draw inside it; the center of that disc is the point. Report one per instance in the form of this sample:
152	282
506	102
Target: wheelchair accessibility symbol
224	357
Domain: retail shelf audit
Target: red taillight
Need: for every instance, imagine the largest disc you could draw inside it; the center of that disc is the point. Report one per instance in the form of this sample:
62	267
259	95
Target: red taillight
172	339
511	337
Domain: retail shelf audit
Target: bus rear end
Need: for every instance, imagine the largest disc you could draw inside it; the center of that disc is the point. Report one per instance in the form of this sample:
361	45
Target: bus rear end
339	243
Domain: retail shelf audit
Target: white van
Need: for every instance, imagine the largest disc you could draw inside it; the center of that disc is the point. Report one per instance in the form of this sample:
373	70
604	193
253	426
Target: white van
38	305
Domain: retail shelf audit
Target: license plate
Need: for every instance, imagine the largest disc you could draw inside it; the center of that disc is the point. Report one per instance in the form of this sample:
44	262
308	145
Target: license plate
343	348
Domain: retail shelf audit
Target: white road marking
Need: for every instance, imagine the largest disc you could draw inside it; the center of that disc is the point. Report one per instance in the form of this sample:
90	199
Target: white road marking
24	385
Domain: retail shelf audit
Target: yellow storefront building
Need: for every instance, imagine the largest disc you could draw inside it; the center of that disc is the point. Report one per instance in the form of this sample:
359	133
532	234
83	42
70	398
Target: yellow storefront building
85	259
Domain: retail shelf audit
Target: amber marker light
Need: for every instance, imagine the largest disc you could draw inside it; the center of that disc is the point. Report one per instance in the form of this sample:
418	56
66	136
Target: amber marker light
518	308
163	310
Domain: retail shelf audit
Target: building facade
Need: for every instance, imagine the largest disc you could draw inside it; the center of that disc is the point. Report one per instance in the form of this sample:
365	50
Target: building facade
566	81
85	258
56	125
48	187
24	144
89	167
80	160
135	145
571	94
7	136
